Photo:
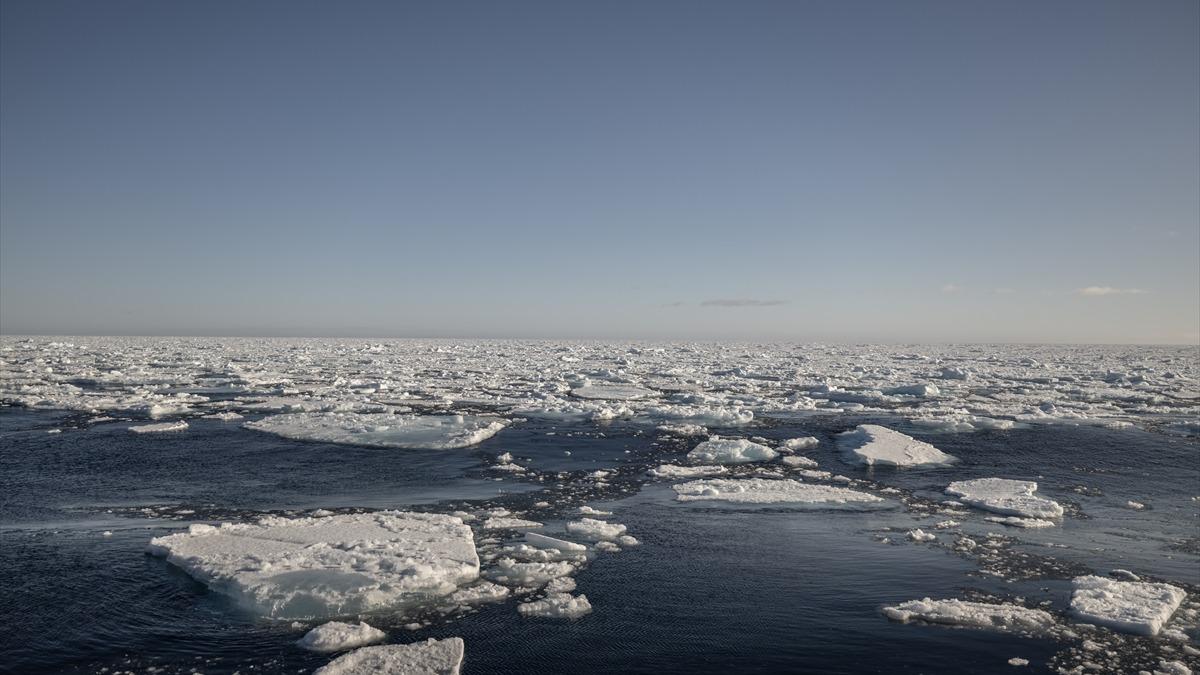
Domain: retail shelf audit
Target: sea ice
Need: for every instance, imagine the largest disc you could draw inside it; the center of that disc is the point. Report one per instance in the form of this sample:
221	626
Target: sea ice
765	491
1006	497
595	530
557	606
336	636
616	392
160	427
432	657
542	541
333	566
804	443
730	451
1138	607
383	430
1008	618
676	471
873	445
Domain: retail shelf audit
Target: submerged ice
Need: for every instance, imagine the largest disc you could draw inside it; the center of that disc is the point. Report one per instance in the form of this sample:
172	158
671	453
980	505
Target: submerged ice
1006	497
383	430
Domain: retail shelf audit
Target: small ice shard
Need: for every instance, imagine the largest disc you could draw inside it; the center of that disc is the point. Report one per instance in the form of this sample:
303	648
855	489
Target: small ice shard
478	593
1017	521
333	566
676	471
1137	607
557	606
683	430
765	491
616	392
432	657
1008	618
730	451
921	535
1006	497
160	427
336	636
542	541
586	510
506	523
383	430
873	445
1018	661
1135	506
595	530
804	443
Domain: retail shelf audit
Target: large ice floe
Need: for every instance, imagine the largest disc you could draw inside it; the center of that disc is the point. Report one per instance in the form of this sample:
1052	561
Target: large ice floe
1001	617
307	568
730	451
1005	496
383	430
767	491
432	657
1138	607
873	445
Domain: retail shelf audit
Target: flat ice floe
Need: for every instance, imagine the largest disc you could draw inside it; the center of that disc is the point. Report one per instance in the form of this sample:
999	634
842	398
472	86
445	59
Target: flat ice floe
1138	607
613	392
873	445
336	636
730	451
676	471
557	606
383	430
1006	497
160	427
1007	618
332	566
766	491
542	541
432	657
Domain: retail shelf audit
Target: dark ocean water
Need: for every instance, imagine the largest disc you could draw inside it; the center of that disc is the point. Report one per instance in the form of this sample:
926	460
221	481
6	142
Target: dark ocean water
710	589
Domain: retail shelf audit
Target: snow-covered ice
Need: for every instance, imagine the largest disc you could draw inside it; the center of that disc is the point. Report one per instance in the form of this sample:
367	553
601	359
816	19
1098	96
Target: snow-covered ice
332	566
1138	607
1002	617
557	606
432	657
383	430
543	541
1006	497
595	530
676	471
767	491
159	427
730	451
336	636
873	445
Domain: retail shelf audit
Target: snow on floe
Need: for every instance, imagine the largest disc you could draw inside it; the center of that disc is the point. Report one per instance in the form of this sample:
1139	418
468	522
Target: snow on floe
1137	607
873	445
383	430
332	566
765	491
160	427
1007	618
676	471
432	657
730	451
336	636
613	392
1006	497
557	606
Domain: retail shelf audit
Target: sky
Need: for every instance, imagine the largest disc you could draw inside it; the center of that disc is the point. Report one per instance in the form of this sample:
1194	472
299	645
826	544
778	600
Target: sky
954	171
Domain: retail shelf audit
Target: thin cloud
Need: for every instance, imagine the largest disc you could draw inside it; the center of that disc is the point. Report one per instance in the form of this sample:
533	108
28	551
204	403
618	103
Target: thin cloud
951	288
1097	291
742	302
1004	291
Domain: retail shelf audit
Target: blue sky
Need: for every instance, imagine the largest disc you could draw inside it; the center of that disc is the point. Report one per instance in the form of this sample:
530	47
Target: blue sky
866	171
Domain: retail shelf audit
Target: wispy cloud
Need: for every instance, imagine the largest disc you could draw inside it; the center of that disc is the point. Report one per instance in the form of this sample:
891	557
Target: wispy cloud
951	288
742	302
1096	291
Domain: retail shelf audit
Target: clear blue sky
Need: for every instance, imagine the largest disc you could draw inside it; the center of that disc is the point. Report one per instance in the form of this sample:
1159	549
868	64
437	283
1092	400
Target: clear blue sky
892	171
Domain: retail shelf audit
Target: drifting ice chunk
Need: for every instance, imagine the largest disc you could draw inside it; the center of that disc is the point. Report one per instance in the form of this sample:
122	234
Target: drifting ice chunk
676	471
737	451
800	462
873	445
595	530
542	541
383	430
557	606
1015	521
805	443
336	636
921	535
432	657
1004	496
1008	618
160	427
1137	607
316	567
506	523
616	392
513	573
764	491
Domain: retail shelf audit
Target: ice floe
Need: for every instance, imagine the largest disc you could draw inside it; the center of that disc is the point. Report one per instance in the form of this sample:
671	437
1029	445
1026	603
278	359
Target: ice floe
432	657
873	445
596	530
557	606
160	427
769	491
730	451
332	566
676	471
383	430
1006	497
336	636
1001	617
1138	607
